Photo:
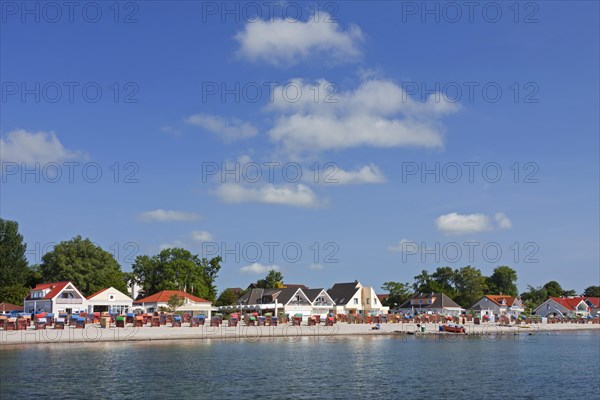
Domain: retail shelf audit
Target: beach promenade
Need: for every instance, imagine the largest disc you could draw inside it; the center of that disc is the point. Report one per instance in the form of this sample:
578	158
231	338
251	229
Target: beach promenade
93	333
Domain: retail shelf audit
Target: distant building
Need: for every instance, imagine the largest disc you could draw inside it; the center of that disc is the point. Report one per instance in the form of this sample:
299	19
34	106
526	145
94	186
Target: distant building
192	304
354	298
292	300
434	303
109	299
499	305
594	304
322	303
563	306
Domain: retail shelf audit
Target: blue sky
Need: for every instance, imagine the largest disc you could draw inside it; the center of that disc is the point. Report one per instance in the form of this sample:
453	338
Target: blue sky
516	91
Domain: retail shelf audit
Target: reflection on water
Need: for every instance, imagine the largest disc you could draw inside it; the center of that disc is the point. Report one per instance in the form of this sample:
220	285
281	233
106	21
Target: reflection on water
550	366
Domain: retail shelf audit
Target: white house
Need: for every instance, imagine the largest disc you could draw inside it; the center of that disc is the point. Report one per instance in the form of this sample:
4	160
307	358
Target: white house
55	297
431	303
192	304
109	299
354	298
322	303
499	305
563	306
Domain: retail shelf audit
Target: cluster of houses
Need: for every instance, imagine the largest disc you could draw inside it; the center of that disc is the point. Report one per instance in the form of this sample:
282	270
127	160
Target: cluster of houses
341	298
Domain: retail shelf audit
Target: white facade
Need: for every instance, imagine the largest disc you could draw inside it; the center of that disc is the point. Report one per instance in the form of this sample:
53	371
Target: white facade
110	300
498	305
562	307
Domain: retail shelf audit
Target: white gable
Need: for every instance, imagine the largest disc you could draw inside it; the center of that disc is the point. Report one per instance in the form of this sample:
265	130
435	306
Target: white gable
109	295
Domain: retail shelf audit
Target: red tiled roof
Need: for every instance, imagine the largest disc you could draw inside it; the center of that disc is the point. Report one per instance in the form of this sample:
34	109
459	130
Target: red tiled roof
55	288
382	297
10	307
97	293
498	299
594	300
568	302
163	297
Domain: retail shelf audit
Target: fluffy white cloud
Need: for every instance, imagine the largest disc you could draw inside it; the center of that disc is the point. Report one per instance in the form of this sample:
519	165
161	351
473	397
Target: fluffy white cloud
167	215
293	195
455	223
366	174
202	236
378	113
503	221
289	41
258	268
30	147
228	129
404	246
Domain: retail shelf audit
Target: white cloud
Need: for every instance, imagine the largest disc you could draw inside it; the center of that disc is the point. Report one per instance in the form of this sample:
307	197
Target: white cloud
366	174
378	113
258	268
316	266
503	221
293	195
202	236
404	246
455	223
31	147
168	215
228	129
289	41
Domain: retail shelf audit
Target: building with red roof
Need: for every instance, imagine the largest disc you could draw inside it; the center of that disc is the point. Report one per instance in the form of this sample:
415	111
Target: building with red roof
563	306
55	297
191	304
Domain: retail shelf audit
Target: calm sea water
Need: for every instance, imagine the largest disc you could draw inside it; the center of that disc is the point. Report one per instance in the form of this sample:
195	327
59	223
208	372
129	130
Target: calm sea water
563	366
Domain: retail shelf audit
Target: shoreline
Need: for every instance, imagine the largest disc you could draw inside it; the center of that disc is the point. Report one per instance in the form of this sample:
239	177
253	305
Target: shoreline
94	334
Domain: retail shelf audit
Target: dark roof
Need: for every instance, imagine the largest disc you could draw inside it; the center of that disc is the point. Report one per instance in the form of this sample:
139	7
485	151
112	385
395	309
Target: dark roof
312	293
254	296
341	293
295	286
286	295
440	301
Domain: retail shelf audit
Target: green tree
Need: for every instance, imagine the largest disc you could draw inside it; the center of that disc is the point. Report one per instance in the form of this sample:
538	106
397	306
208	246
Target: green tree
274	279
174	302
441	282
177	269
553	289
86	265
398	293
592	291
503	281
470	285
422	282
228	297
533	297
14	269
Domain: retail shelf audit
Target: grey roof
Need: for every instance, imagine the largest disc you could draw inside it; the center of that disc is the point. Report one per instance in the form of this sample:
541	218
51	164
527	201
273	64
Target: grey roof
254	296
341	293
286	294
312	294
440	301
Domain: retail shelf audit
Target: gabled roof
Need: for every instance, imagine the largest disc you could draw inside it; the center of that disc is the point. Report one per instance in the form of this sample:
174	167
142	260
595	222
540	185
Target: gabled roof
288	294
342	293
440	300
295	286
55	289
165	295
312	294
498	299
570	303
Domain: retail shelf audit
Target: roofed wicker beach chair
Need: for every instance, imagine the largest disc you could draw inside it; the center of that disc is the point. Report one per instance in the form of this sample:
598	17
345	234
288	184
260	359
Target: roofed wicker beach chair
80	323
22	323
120	321
176	321
216	321
297	320
10	324
138	321
59	323
155	321
40	321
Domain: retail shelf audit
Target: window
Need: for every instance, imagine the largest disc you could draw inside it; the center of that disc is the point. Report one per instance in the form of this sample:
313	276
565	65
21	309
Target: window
368	301
355	301
375	300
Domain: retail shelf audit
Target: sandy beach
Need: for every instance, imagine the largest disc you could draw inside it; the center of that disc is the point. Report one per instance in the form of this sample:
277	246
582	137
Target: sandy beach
93	333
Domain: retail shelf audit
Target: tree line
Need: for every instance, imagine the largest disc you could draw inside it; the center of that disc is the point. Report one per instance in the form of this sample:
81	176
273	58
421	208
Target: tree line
91	268
468	284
